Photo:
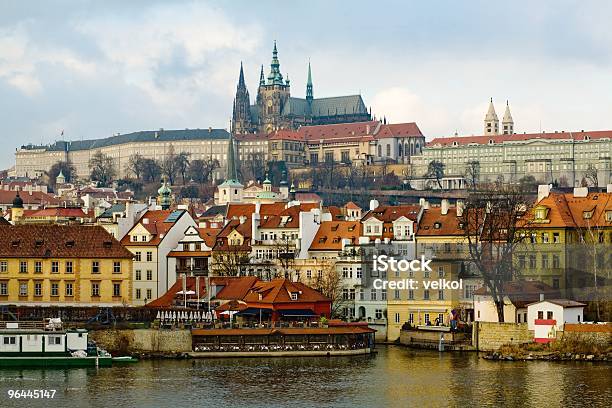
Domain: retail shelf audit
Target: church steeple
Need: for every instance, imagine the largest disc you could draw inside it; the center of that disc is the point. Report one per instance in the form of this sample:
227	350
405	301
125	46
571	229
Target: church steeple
241	115
262	79
491	122
309	94
275	77
507	121
232	174
230	191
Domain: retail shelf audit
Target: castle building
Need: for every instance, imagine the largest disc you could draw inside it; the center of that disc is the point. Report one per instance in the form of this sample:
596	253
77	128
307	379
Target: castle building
275	108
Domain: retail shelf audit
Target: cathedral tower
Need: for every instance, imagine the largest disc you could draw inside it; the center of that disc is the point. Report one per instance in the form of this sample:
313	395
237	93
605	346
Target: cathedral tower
491	122
241	115
273	94
507	122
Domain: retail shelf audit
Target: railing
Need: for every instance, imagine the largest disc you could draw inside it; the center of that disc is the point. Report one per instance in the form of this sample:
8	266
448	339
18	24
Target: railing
38	325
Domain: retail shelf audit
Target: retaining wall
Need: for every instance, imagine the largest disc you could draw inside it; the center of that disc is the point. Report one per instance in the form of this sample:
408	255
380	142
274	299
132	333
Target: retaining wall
490	336
143	340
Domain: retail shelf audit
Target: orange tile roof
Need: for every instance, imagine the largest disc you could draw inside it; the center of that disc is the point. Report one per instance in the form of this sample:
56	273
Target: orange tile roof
390	213
57	212
236	210
433	223
59	241
352	206
155	225
35	198
279	291
291	215
567	211
287	135
209	235
345	131
331	233
464	140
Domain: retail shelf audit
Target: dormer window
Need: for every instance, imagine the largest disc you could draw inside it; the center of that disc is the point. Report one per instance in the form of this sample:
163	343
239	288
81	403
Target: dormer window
134	238
541	213
609	216
587	214
437	225
294	296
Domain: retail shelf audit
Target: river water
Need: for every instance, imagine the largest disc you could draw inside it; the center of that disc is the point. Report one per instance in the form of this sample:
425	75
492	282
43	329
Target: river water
395	377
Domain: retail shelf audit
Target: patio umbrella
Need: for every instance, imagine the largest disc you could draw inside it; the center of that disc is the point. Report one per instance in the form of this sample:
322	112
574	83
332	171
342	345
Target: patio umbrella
158	315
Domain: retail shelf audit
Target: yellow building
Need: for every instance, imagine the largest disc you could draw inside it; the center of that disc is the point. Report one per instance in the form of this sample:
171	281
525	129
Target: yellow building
440	238
63	265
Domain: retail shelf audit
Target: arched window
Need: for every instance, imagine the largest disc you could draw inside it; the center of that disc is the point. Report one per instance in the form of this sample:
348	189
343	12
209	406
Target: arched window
399	150
417	148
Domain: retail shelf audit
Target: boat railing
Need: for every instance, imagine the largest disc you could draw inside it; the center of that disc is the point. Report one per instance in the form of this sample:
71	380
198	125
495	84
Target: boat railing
29	325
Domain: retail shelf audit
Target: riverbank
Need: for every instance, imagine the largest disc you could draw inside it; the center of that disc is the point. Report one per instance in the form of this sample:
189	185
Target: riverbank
562	350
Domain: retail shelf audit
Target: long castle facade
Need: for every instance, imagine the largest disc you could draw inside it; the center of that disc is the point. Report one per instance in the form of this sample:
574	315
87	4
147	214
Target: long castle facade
275	108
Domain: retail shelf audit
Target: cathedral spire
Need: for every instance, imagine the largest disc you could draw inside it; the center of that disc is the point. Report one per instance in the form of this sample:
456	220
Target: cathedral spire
309	94
262	78
275	77
491	121
241	83
232	174
507	121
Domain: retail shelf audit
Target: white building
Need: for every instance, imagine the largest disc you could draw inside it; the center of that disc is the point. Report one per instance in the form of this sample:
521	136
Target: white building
560	310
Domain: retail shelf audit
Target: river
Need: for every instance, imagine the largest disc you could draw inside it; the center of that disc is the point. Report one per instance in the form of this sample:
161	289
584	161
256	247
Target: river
395	377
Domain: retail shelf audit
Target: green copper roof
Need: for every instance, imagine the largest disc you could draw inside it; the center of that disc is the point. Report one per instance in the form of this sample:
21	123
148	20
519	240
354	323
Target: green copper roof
338	105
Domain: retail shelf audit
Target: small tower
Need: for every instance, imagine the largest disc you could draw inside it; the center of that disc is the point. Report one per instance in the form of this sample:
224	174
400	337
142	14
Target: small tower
267	185
507	122
17	209
491	122
164	197
283	187
241	115
60	179
292	192
230	191
309	94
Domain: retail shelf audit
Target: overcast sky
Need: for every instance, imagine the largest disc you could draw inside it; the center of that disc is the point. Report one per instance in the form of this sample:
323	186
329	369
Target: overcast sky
94	68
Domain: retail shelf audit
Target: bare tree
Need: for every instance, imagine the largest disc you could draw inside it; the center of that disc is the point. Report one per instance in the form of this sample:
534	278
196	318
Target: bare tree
102	168
169	165
329	283
494	224
201	170
150	170
435	169
472	173
182	164
231	260
135	165
254	167
590	177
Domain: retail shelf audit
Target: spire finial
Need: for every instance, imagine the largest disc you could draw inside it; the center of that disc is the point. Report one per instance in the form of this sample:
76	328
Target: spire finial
309	93
241	83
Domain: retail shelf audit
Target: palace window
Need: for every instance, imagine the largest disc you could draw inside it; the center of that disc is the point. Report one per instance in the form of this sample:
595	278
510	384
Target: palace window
38	267
117	289
138	293
3	266
54	289
23	289
69	267
23	266
95	289
149	294
397	318
149	256
37	289
3	288
95	267
116	267
138	275
149	274
54	267
373	294
69	289
426	294
378	314
137	256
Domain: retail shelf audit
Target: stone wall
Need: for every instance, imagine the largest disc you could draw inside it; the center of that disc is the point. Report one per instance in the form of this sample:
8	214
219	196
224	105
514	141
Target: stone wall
490	336
143	340
599	334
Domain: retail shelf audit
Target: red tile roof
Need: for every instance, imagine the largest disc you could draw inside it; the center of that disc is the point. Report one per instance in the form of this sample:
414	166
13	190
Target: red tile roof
35	198
290	217
567	211
61	212
287	135
236	210
399	130
464	140
153	222
352	206
433	223
331	233
279	291
522	293
390	213
59	241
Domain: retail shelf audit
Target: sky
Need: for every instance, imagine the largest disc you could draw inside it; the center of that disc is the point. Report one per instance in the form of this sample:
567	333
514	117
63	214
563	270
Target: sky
91	69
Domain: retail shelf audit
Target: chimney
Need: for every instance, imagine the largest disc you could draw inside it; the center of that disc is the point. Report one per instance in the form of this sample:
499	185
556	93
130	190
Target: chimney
460	205
242	219
581	191
145	221
367	129
543	191
541	297
373	204
257	207
444	206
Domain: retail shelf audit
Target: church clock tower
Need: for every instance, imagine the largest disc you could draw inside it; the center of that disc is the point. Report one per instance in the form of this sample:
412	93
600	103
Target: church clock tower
272	96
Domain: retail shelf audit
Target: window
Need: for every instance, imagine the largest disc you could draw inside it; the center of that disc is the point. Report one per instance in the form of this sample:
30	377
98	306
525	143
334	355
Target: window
373	294
441	294
3	288
37	289
149	293
378	314
352	294
555	237
540	314
54	340
23	289
555	283
410	294
396	295
38	267
397	318
545	237
411	318
117	289
556	262
532	261
426	294
521	262
440	318
149	274
54	267
95	267
69	289
549	315
138	275
294	296
138	293
116	267
23	267
149	256
95	289
544	261
69	267
383	294
426	318
440	271
359	272
345	294
426	274
309	274
54	289
3	266
137	256
10	340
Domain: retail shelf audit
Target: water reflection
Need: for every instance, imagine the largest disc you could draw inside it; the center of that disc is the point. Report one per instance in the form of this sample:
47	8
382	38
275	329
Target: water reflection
396	377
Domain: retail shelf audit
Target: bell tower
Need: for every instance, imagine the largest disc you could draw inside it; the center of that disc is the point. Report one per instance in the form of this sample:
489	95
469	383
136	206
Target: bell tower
273	95
241	115
491	121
